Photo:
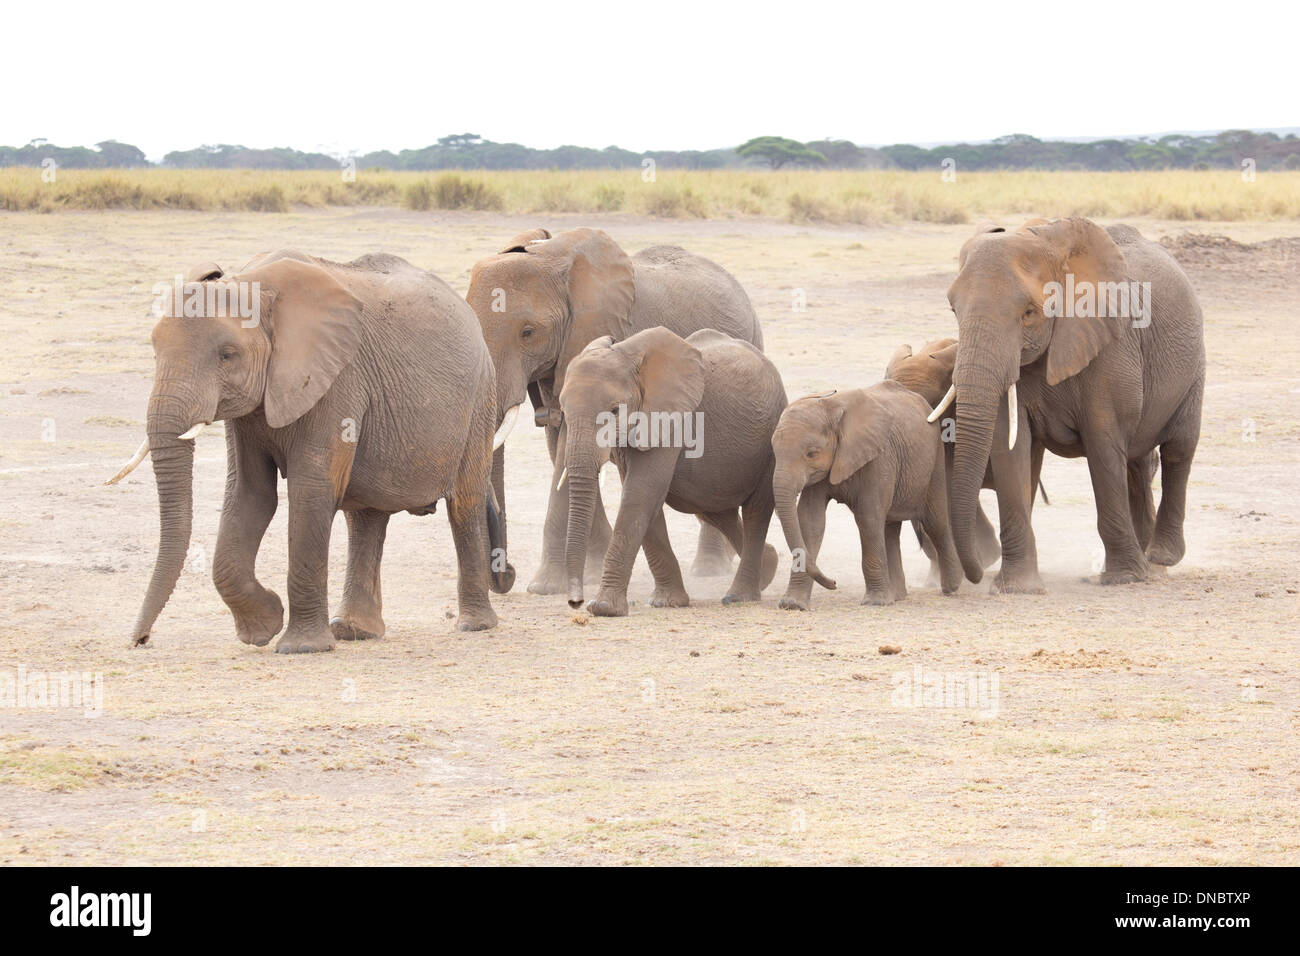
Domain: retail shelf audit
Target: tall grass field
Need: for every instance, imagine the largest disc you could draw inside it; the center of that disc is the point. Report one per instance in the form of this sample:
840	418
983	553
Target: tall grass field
856	197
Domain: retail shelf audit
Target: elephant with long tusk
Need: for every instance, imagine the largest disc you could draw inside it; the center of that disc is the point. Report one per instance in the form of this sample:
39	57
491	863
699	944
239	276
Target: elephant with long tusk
370	386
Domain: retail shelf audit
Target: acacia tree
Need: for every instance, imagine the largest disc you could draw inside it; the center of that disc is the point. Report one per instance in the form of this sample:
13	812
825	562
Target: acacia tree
776	151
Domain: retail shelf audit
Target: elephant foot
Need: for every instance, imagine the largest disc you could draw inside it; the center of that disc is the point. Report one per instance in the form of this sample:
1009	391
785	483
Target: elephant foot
549	579
609	604
1013	581
670	597
767	570
258	624
502	581
301	640
1166	551
1121	577
476	619
742	596
713	564
933	579
351	628
878	599
795	602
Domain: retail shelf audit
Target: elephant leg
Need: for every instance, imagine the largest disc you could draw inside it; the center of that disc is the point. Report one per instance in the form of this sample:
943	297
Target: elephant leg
312	505
1012	480
249	506
645	487
503	577
1108	467
811	513
1167	543
894	554
927	548
1141	501
465	510
360	615
875	556
746	533
551	576
986	537
713	553
669	590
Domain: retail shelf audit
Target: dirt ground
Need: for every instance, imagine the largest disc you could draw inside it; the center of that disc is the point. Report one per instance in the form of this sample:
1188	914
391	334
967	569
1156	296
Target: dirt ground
1145	724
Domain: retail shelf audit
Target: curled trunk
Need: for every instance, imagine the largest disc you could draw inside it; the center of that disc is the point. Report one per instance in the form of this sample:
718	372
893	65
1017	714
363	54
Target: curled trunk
786	497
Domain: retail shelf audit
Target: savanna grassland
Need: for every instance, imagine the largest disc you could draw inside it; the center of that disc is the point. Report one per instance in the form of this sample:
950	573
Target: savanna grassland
1146	724
865	198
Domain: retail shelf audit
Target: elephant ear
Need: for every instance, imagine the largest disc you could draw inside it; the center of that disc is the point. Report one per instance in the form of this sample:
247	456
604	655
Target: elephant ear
1082	248
601	287
314	324
901	354
520	242
203	272
669	370
860	421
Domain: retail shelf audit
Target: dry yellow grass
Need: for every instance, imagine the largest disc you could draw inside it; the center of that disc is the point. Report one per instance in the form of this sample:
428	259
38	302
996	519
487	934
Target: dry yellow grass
861	198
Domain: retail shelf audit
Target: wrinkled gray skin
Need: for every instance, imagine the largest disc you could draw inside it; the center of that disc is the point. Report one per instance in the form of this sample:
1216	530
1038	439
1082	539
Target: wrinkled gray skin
736	396
873	450
1087	387
374	350
543	299
928	372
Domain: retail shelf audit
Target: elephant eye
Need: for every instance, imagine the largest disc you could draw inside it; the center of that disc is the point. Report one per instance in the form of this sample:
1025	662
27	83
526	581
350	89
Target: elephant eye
228	353
527	332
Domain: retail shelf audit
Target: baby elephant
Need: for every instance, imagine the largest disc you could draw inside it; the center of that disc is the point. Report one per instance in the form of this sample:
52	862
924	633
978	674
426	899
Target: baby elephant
688	422
873	450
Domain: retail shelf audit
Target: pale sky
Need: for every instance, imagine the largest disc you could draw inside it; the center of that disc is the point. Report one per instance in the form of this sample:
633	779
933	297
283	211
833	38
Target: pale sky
641	74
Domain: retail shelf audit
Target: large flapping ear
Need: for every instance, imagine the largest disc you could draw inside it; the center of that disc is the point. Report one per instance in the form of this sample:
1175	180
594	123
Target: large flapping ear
861	425
314	324
1081	248
204	272
601	286
521	242
669	369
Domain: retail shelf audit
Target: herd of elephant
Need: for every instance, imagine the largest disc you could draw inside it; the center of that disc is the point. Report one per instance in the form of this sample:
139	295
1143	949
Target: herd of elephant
374	388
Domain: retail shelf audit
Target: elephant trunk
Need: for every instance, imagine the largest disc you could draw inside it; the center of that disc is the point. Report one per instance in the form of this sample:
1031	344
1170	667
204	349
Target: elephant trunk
582	466
173	468
786	495
977	412
502	574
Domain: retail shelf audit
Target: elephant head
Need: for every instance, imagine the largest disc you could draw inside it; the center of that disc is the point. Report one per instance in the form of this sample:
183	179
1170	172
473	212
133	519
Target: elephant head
927	372
1006	319
822	437
293	329
654	371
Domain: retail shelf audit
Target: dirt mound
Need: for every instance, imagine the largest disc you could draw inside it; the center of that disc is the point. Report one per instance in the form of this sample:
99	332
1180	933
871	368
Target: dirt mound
1209	251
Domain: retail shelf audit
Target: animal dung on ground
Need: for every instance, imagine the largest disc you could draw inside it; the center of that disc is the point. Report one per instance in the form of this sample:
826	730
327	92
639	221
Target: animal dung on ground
890	649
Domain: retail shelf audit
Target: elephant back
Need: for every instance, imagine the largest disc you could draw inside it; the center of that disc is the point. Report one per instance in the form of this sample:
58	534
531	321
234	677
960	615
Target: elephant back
686	292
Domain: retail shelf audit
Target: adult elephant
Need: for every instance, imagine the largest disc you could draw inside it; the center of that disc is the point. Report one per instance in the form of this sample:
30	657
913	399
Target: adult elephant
369	386
543	299
1092	340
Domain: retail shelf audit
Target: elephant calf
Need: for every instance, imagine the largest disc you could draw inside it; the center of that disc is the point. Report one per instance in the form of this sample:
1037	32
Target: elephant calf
369	386
874	450
688	422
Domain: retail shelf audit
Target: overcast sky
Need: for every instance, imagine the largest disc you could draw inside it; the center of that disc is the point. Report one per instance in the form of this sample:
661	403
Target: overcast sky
641	74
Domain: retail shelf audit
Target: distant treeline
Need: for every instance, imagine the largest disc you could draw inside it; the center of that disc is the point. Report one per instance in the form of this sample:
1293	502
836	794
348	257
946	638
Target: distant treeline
467	151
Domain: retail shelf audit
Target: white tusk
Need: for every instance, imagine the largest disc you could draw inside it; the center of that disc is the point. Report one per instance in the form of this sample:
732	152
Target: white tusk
193	432
1013	416
507	423
564	474
140	455
943	405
